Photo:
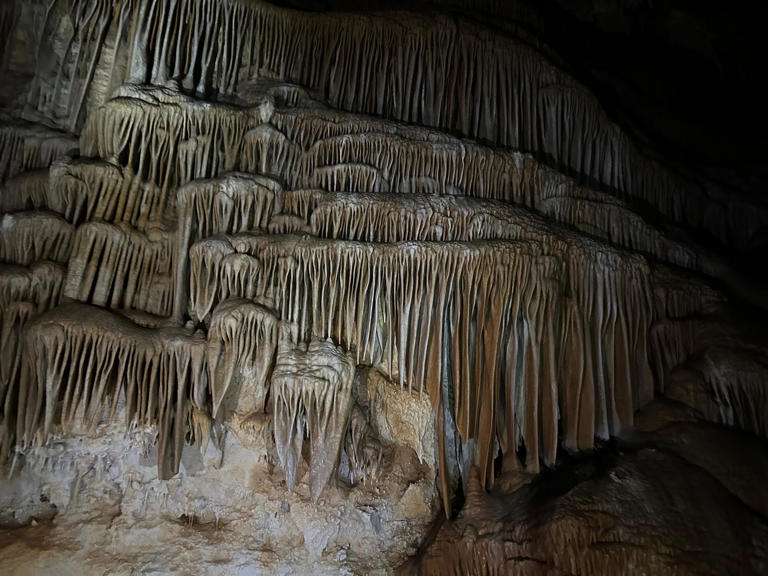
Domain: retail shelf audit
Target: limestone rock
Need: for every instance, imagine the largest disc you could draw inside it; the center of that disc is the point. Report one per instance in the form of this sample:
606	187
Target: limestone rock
248	250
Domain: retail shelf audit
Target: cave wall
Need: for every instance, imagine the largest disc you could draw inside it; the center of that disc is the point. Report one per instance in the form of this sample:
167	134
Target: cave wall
403	237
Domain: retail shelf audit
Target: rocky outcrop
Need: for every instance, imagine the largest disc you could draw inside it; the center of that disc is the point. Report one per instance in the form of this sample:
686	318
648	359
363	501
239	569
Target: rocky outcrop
219	240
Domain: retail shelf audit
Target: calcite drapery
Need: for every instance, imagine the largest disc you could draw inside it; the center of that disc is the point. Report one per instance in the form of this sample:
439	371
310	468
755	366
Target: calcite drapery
312	392
407	250
242	343
88	359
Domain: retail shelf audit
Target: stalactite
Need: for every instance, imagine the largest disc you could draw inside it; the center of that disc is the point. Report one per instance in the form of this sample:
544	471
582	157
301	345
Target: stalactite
242	342
228	205
606	348
28	147
165	138
268	151
505	305
734	385
27	237
312	390
432	77
217	272
398	159
119	267
234	203
24	292
451	64
395	218
409	162
26	191
83	190
367	241
357	155
86	190
604	217
671	343
301	203
678	296
288	224
13	318
78	58
680	330
82	362
40	284
308	126
7	18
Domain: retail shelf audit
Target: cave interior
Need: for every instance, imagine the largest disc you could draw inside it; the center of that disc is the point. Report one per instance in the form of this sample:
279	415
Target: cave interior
383	287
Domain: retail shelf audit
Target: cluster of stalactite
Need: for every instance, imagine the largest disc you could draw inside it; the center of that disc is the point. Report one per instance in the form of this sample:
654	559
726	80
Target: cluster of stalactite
81	362
83	190
375	156
78	366
242	343
530	334
27	237
117	267
234	203
165	138
523	338
522	333
26	147
6	24
430	71
492	280
39	284
703	361
680	304
231	204
344	154
312	387
24	292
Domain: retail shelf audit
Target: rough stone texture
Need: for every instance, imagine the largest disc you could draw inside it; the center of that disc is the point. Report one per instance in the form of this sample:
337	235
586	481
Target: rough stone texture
677	496
219	240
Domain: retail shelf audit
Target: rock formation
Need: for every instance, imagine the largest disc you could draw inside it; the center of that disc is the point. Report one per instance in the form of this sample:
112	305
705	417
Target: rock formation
415	242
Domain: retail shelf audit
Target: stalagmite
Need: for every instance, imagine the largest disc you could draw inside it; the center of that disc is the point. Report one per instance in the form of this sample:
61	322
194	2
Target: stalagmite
362	452
312	387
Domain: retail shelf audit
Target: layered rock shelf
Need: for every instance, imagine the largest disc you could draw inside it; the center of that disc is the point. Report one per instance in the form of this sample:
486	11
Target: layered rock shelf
329	279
